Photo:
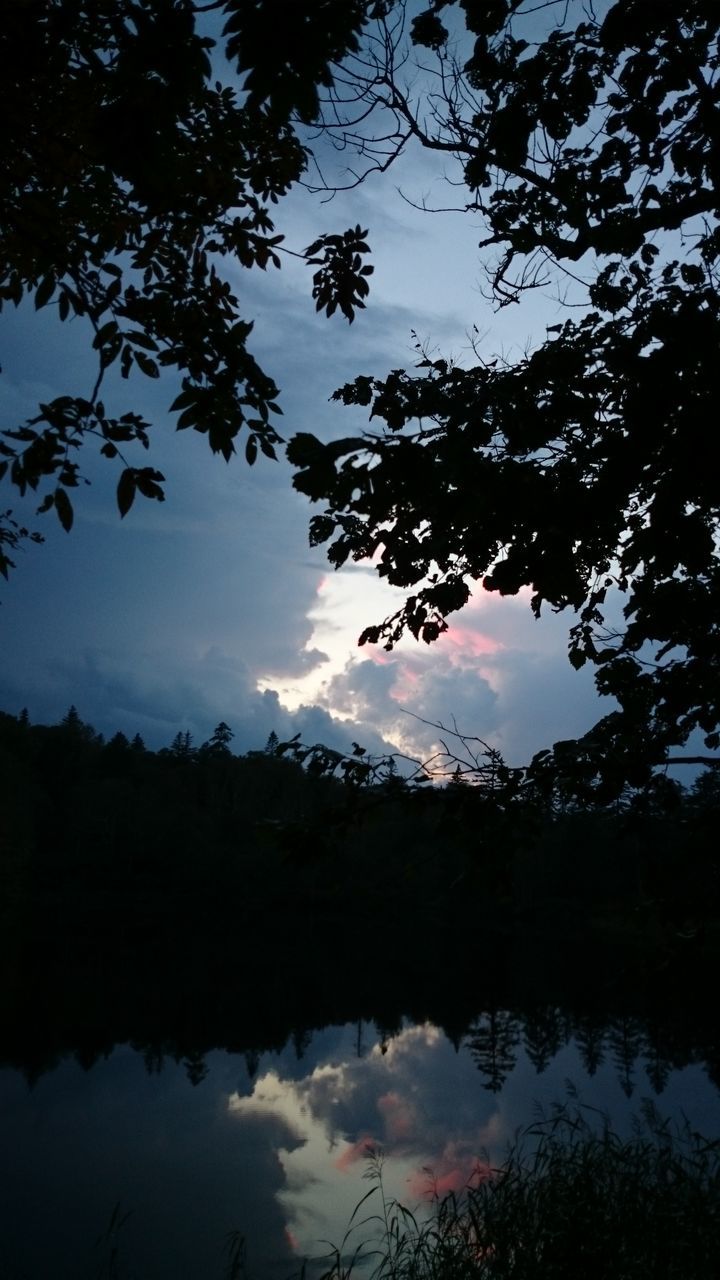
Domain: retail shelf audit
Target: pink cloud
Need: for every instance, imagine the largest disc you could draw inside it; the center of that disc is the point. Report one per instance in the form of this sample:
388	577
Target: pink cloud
469	643
292	1239
359	1150
406	683
480	597
380	656
399	1116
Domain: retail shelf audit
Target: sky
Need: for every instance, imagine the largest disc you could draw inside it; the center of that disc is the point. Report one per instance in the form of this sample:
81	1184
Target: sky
212	606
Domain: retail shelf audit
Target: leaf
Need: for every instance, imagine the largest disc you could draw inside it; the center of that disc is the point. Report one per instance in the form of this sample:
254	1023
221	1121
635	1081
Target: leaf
692	274
188	418
148	482
141	339
186	397
321	528
44	291
126	490
105	333
251	450
147	365
63	506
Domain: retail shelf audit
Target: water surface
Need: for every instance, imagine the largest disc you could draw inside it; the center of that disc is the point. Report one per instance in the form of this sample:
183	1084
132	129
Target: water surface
276	1145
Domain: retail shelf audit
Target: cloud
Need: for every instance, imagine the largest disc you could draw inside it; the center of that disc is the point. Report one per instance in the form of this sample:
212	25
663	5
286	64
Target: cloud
400	1117
497	675
363	1147
206	607
398	1102
82	1140
159	693
416	1106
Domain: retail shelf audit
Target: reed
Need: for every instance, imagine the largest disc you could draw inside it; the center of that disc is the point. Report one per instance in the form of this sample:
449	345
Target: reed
571	1201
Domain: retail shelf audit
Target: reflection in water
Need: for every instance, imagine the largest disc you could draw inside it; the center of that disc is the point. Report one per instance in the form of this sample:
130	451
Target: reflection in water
433	1115
199	1148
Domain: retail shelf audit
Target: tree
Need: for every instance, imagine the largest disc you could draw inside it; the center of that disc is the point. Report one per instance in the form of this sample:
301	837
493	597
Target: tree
592	151
492	1040
219	743
181	746
71	719
130	171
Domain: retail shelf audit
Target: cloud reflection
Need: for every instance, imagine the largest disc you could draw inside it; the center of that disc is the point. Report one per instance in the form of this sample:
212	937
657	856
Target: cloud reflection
412	1099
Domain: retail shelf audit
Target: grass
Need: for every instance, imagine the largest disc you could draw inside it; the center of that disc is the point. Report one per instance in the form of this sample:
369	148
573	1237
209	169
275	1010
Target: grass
572	1201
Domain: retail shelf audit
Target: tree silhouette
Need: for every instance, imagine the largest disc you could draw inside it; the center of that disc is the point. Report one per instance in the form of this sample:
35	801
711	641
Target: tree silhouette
219	742
181	746
625	1041
591	153
590	1039
657	1064
130	171
543	1036
492	1040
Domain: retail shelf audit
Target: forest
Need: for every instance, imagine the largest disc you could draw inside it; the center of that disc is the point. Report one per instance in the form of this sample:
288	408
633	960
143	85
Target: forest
140	889
330	836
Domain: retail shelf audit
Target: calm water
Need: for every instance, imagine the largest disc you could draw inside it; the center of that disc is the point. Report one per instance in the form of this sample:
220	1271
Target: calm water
275	1145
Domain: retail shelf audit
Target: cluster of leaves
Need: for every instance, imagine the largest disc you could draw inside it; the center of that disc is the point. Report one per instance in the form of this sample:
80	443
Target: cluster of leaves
580	470
12	536
130	172
342	278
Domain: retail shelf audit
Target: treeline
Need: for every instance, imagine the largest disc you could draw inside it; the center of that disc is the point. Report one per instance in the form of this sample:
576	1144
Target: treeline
642	1021
149	840
150	896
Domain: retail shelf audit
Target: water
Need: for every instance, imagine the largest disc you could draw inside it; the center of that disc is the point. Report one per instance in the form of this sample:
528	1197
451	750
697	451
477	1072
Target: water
275	1145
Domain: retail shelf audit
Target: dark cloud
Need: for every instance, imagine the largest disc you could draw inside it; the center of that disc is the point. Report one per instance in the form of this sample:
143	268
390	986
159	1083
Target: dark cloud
171	1155
158	693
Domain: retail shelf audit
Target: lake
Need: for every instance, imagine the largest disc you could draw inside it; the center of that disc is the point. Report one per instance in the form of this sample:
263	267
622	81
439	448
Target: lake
274	1142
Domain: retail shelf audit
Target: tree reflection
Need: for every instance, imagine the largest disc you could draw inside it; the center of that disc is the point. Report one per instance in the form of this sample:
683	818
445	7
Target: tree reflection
492	1041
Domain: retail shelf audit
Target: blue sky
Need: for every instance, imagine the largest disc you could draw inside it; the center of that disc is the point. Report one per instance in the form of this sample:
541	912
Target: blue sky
212	606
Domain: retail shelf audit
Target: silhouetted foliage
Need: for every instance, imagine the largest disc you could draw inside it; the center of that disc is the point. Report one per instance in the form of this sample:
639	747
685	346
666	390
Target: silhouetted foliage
221	738
222	836
591	154
12	537
139	150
